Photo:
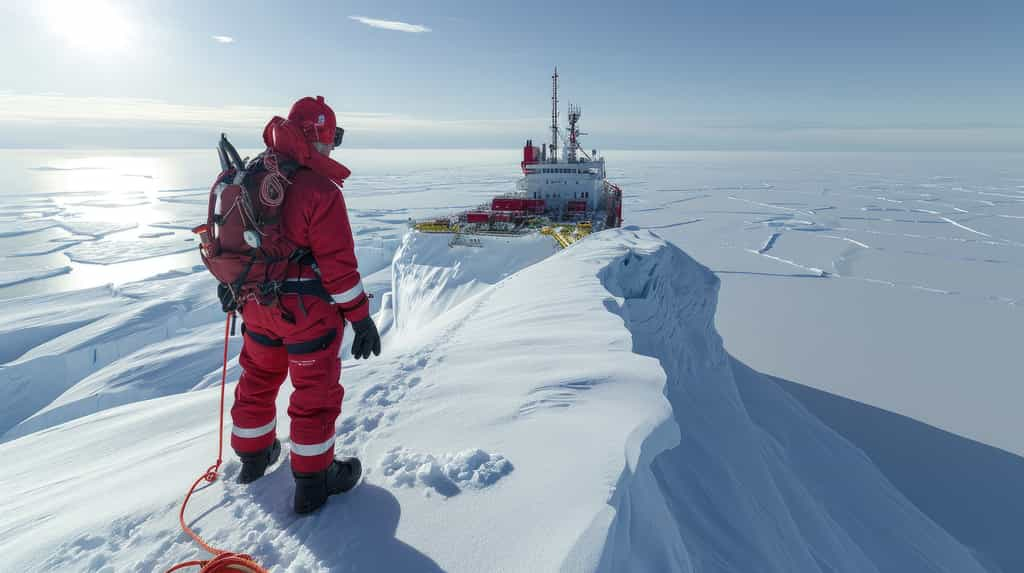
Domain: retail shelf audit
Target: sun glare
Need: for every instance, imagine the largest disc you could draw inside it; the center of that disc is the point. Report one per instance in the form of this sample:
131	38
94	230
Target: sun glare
95	26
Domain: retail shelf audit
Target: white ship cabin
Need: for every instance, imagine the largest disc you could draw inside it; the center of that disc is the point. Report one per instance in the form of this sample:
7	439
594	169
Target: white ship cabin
563	181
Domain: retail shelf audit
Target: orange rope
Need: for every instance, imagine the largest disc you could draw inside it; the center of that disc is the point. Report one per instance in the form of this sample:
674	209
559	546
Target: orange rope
223	561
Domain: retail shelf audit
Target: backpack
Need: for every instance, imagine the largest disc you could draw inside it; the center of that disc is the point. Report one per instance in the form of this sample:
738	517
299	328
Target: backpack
243	243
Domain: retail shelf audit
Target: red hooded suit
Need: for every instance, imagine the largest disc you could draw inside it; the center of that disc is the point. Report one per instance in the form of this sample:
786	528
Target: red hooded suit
302	336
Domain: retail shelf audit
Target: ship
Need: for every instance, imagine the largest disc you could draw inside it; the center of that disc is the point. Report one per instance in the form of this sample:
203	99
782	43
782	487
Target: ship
563	192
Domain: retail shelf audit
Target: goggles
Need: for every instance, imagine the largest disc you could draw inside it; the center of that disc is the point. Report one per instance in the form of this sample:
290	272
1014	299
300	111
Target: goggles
311	131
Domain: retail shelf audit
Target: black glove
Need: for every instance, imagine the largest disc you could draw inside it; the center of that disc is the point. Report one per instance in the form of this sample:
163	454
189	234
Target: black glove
227	300
366	339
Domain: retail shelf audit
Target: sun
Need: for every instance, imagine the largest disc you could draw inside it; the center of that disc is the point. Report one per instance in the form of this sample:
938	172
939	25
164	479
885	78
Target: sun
94	26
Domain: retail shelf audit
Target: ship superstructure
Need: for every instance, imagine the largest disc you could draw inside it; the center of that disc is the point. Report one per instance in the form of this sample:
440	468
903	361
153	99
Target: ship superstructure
566	177
563	192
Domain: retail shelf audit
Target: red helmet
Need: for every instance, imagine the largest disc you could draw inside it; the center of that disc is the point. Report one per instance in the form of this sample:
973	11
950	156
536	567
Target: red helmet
317	121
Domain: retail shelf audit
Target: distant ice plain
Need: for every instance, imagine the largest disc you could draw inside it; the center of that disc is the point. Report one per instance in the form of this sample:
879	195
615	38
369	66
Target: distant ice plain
895	279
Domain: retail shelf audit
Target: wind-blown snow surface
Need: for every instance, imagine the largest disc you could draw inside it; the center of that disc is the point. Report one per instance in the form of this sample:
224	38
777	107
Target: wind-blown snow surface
893	279
529	413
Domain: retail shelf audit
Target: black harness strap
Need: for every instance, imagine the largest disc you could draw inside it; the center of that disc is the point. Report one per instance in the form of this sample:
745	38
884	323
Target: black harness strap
314	345
261	339
303	256
312	287
236	287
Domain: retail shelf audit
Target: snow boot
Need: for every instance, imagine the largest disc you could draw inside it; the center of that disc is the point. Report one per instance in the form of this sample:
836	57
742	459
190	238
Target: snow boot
255	464
312	490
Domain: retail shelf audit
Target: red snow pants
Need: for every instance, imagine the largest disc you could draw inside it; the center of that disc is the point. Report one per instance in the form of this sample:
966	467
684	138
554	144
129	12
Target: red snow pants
307	348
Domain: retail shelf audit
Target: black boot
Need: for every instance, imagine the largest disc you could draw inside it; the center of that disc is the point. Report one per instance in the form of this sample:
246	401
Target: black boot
311	490
255	464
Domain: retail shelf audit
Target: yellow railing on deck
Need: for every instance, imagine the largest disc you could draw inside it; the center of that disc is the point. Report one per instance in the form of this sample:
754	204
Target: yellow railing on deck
566	235
437	228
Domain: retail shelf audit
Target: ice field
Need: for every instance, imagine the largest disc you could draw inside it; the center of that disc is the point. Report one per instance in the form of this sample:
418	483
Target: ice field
736	381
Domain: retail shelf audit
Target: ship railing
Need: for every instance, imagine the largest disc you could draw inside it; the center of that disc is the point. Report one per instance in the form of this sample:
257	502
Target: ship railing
567	234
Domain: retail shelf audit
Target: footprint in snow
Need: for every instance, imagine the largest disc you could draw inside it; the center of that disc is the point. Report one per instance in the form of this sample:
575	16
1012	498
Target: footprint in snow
447	474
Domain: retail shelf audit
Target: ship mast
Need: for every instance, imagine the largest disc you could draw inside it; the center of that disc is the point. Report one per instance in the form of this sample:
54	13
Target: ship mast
554	116
574	131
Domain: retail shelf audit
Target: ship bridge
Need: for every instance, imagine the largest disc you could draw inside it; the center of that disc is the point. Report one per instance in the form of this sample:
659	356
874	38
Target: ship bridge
565	186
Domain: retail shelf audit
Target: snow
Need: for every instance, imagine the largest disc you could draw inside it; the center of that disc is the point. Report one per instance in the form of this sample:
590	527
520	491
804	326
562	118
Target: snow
17	228
942	462
102	340
453	274
108	252
46	317
538	409
901	324
180	362
43	245
11	277
447	474
95	229
639	445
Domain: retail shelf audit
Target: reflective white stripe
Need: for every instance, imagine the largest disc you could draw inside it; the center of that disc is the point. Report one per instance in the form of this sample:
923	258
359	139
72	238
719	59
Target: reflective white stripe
312	450
254	432
349	295
301	279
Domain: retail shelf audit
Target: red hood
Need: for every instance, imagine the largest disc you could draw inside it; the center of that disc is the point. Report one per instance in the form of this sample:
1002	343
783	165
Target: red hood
286	138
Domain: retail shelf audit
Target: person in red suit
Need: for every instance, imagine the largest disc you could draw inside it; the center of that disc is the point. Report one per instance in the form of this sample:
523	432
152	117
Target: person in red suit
302	334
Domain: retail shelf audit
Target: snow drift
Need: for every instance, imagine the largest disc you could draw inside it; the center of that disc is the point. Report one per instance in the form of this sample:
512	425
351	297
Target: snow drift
756	483
90	350
531	412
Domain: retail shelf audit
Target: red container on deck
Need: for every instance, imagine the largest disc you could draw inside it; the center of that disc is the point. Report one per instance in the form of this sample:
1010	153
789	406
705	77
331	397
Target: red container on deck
535	205
477	217
501	204
502	217
576	206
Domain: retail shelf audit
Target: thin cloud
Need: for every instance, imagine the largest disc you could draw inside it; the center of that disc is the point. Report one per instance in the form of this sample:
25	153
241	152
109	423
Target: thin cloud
391	25
223	39
39	119
53	109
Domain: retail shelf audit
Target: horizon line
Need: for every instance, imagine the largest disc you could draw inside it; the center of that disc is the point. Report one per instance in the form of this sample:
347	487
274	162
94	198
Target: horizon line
1012	151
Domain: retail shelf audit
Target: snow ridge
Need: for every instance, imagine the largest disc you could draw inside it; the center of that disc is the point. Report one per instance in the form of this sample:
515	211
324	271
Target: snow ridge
756	482
532	412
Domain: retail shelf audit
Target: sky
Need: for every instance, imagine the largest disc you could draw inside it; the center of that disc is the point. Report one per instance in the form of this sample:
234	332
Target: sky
687	74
